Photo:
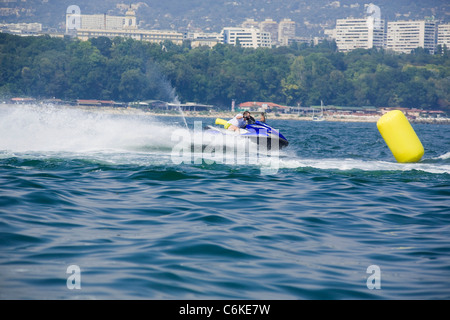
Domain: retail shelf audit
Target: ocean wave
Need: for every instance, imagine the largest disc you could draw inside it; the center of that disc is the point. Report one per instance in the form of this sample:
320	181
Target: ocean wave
445	156
364	165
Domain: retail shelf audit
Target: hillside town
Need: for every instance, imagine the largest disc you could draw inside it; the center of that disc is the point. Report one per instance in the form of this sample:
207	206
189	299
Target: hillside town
400	36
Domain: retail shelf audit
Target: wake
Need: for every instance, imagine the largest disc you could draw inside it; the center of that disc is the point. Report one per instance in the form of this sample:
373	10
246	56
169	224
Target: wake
349	164
59	129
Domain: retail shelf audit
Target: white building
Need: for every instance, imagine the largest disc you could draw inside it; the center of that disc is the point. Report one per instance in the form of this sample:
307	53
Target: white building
102	21
99	25
286	31
443	36
280	33
405	36
155	36
22	27
246	37
199	39
351	34
270	26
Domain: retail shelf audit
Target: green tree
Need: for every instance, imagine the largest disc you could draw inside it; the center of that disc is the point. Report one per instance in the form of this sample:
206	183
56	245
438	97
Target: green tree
132	85
129	70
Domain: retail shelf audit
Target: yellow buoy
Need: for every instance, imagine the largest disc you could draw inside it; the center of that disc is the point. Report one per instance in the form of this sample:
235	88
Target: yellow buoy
400	137
223	122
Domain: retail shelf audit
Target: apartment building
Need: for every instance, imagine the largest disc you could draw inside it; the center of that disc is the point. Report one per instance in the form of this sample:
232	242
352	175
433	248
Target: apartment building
286	31
351	34
246	37
443	35
280	33
250	23
271	26
405	36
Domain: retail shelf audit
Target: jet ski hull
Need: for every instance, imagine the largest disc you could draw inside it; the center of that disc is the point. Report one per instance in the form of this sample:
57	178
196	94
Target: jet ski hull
259	132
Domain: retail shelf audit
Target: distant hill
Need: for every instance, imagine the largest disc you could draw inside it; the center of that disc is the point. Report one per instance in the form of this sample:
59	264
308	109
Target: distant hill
312	16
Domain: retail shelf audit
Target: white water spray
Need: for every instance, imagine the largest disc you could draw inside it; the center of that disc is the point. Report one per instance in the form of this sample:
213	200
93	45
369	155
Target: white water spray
55	128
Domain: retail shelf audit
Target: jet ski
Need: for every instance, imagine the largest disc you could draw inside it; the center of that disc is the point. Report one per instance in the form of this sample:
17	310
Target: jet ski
257	131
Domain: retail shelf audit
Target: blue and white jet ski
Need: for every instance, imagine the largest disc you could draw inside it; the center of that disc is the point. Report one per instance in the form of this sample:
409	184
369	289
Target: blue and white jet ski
258	132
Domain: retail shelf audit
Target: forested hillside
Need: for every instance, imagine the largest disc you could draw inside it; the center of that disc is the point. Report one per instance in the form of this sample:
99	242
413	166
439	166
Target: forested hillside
129	70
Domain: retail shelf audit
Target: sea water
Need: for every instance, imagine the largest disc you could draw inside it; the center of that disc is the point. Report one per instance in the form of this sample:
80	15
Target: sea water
93	206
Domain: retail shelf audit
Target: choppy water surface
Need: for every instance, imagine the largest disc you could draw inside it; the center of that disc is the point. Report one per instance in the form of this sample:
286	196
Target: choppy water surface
105	193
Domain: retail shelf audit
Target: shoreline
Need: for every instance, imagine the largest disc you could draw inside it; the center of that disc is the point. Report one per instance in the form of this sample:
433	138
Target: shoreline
229	114
335	118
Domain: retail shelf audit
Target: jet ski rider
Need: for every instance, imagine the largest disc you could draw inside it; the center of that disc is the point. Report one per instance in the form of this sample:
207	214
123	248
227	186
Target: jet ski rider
240	121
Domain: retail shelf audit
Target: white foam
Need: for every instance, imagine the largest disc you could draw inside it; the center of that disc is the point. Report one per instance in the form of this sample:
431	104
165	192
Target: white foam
444	156
51	128
355	164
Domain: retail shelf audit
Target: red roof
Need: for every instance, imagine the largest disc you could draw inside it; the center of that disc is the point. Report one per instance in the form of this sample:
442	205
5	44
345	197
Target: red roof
23	99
